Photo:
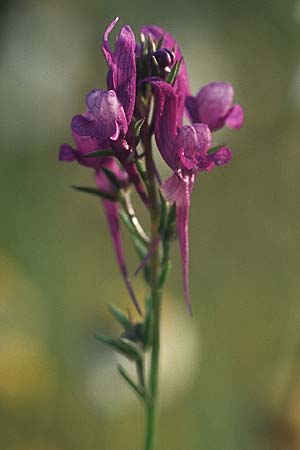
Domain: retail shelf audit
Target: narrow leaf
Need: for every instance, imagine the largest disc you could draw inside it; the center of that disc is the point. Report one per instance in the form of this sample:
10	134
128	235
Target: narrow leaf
174	72
160	42
149	254
131	383
96	154
148	323
112	177
139	245
163	213
120	317
214	149
138	126
122	346
95	191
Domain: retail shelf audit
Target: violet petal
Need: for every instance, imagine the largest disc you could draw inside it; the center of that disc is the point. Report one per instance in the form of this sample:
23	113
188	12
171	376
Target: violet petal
122	67
165	119
235	117
214	101
109	115
124	70
179	190
66	153
191	144
106	47
191	108
222	156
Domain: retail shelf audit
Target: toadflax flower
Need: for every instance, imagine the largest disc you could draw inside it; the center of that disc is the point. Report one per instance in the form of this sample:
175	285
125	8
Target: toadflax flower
86	145
186	150
109	113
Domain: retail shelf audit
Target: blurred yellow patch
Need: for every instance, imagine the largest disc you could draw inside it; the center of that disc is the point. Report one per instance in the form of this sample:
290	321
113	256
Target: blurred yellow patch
26	372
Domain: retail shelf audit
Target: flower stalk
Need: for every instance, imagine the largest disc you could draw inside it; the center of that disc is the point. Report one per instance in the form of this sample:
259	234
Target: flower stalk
151	406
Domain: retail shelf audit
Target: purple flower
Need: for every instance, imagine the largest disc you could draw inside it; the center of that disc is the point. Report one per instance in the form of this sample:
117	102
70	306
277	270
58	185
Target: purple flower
109	113
84	145
213	105
186	150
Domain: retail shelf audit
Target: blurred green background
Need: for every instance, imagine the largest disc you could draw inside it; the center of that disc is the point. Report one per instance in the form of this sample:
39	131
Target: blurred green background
231	376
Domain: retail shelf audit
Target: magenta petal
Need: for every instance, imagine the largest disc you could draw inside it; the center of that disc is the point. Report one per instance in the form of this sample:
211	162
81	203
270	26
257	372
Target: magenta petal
83	125
222	156
214	101
165	119
122	67
191	109
124	70
106	47
179	190
106	109
235	117
66	153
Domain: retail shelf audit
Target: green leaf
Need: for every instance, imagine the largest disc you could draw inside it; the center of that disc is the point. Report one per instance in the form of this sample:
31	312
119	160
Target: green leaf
96	154
163	274
139	245
174	72
95	191
214	149
131	383
148	323
123	346
121	317
160	42
163	213
138	127
142	171
112	177
150	44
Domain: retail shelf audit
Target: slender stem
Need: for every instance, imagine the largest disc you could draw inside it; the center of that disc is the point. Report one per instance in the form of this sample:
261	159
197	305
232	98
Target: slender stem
151	406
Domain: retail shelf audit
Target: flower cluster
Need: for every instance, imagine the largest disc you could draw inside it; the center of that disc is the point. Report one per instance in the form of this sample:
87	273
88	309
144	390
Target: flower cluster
147	94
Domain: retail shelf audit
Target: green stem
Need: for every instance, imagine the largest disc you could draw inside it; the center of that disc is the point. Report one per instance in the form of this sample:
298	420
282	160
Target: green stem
151	406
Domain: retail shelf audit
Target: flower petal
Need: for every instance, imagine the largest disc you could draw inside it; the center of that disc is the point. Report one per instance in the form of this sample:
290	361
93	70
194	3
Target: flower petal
105	118
66	153
191	108
235	117
165	119
84	145
222	156
179	190
105	46
191	145
122	67
214	101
